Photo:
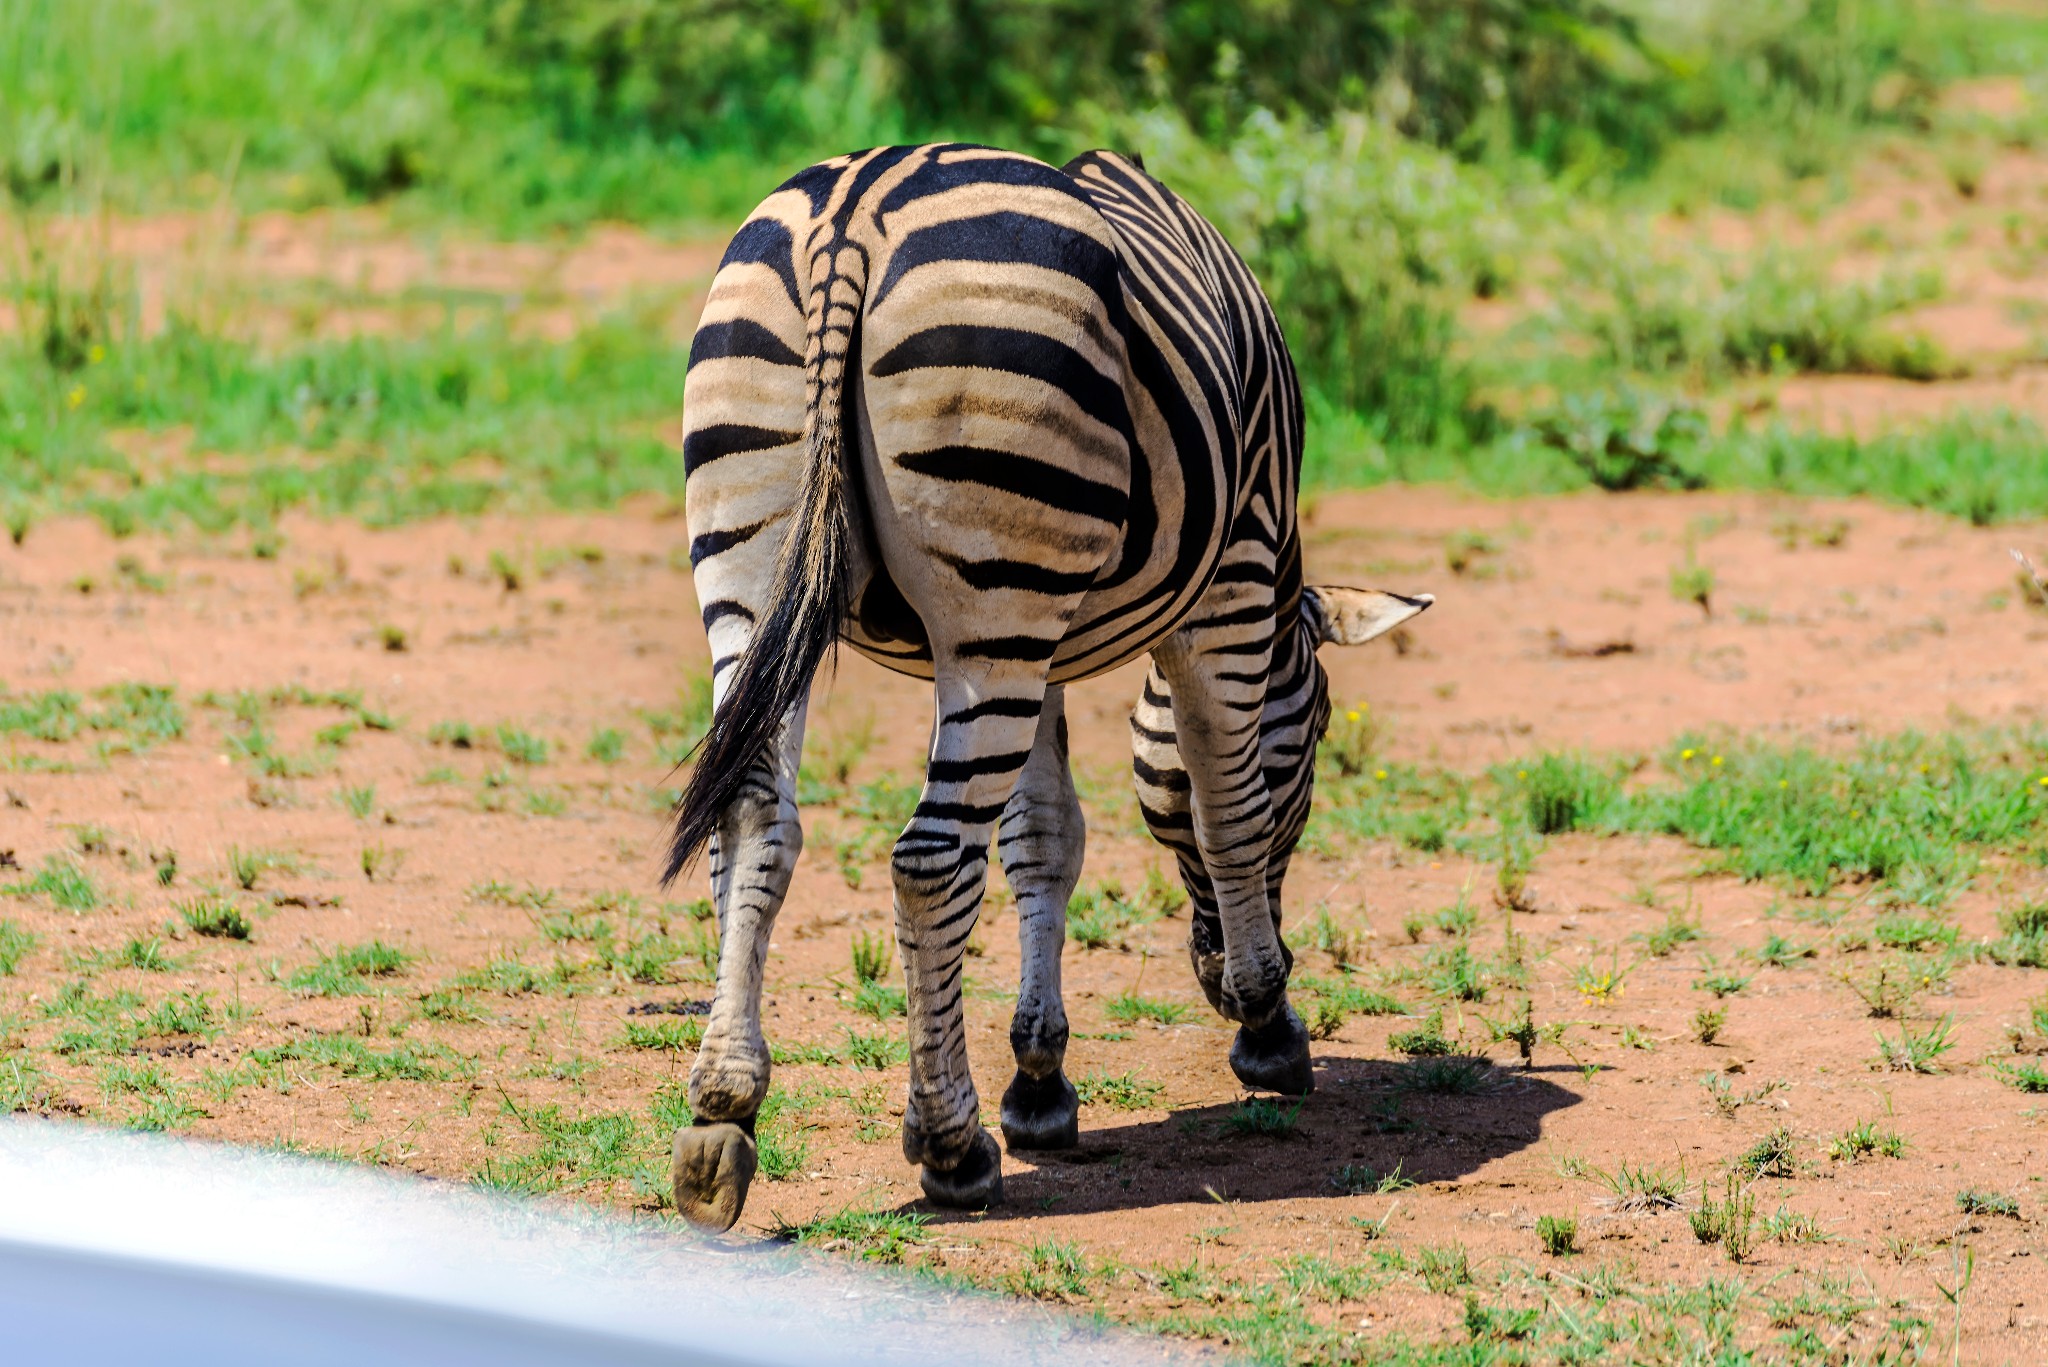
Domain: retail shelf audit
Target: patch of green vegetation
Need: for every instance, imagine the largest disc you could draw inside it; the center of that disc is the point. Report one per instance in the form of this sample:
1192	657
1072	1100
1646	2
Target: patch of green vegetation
510	976
880	1000
2024	943
1052	1271
157	1102
215	917
1917	1051
780	1134
129	719
673	1033
94	1024
1262	1116
1120	1091
1560	792
1865	1140
1358	1179
1424	1040
1977	1201
63	883
1101	914
875	1051
521	746
1642	1186
17	942
353	1057
567	1152
1558	1234
1453	1076
399	424
1128	1008
879	1236
1774	1155
349	970
2027	1076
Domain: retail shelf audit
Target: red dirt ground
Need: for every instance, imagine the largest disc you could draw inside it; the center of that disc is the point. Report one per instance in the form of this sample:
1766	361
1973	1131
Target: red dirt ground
1911	621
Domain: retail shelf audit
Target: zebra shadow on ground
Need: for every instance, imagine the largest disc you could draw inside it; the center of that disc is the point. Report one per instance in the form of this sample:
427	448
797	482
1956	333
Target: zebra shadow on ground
1370	1125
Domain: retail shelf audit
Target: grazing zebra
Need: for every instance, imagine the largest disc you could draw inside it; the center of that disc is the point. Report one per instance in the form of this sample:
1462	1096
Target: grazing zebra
1002	427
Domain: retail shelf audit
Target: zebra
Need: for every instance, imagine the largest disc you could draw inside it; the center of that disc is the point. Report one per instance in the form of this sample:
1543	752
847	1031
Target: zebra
1001	426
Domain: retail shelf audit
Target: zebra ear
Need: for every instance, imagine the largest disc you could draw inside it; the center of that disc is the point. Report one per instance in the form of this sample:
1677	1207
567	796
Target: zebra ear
1351	617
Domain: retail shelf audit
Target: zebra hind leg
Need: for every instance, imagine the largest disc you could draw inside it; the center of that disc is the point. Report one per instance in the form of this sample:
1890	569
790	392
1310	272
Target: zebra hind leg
1271	1049
1041	842
987	723
753	855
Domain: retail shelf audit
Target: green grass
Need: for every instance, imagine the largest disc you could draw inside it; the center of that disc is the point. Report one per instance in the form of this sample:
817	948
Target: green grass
875	1051
1915	813
1262	1116
880	1236
1917	1051
2029	1076
1120	1092
1865	1140
17	942
1558	1234
349	970
60	882
400	425
215	917
882	1001
1976	1201
1128	1008
780	1134
353	1057
129	718
1643	1186
1424	1040
184	1013
1101	914
566	1152
675	1034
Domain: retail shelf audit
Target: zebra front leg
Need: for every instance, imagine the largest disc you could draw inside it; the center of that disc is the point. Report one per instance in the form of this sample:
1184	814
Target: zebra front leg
1041	843
987	722
753	854
1213	772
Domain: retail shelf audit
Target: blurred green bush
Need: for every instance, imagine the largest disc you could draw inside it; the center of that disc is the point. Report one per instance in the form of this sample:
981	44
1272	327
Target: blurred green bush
1381	163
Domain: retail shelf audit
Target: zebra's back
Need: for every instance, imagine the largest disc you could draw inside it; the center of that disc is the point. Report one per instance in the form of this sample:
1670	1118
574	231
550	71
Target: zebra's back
1063	390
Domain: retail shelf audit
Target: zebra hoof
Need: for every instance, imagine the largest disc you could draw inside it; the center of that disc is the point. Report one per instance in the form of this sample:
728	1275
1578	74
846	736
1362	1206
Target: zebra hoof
1274	1058
975	1183
1041	1112
714	1165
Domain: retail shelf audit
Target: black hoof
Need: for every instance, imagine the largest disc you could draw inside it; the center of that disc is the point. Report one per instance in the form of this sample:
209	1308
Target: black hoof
1041	1112
975	1183
713	1166
1274	1058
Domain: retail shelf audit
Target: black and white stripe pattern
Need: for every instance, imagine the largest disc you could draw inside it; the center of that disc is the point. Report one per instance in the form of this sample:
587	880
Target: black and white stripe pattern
1003	427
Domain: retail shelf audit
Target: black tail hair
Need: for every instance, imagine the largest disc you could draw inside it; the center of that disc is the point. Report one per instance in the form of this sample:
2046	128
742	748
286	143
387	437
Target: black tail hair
809	604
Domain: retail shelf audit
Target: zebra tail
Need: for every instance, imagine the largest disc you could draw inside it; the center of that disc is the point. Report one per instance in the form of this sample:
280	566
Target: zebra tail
808	596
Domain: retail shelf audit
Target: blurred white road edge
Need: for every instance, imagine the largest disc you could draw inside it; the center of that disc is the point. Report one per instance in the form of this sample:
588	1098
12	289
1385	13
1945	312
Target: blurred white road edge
126	1249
